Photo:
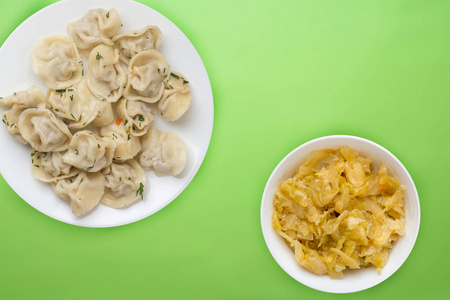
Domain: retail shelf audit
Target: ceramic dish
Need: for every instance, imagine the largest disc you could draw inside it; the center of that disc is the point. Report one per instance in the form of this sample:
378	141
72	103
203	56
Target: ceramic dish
194	128
354	280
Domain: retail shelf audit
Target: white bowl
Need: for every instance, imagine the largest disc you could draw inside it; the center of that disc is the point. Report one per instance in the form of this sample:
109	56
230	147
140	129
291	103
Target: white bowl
354	280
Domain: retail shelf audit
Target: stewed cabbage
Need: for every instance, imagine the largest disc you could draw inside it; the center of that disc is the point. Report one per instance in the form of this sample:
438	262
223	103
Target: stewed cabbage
339	212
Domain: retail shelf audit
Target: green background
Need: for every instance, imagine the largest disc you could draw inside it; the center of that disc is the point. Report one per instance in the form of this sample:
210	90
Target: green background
282	73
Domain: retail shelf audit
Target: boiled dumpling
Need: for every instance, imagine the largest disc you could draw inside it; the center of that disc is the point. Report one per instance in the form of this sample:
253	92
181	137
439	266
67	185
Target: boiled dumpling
11	120
106	76
132	42
20	101
138	116
49	166
176	98
164	152
105	114
44	132
83	191
55	58
124	184
31	97
89	152
147	74
127	145
76	104
96	27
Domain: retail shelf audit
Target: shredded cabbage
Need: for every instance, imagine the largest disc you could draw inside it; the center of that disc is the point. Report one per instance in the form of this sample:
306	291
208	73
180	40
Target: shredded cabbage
336	212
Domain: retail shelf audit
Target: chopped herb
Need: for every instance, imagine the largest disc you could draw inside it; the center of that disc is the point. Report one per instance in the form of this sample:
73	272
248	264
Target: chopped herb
107	15
122	49
79	119
36	166
45	154
134	128
98	56
82	72
13	124
70	180
165	76
80	62
146	37
159	71
76	150
60	91
84	123
57	110
14	93
33	153
175	76
114	136
129	137
171	87
98	146
121	25
90	168
73	116
126	121
120	179
164	70
129	178
106	179
69	90
71	97
1	97
32	160
135	33
141	118
185	81
140	191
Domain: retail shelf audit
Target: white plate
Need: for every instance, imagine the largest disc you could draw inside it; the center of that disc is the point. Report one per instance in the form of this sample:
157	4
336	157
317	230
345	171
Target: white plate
354	280
194	128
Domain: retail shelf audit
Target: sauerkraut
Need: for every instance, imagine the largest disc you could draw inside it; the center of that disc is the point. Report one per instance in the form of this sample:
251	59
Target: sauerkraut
338	212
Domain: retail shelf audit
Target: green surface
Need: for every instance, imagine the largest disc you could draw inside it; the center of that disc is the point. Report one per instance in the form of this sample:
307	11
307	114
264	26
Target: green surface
282	73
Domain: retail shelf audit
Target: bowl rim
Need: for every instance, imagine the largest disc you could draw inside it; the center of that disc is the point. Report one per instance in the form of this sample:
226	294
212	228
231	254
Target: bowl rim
269	242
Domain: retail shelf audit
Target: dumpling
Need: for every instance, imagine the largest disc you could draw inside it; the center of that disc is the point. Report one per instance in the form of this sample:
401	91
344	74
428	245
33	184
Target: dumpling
11	120
124	184
176	98
106	77
164	152
20	101
44	132
147	74
89	152
76	104
127	145
31	97
105	114
49	166
96	27
55	58
83	191
132	42
138	116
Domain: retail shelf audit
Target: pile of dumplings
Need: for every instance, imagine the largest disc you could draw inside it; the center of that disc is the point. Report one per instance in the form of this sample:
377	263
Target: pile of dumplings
92	133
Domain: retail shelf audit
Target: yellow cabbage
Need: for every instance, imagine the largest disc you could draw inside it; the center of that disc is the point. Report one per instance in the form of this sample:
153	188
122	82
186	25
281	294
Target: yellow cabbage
337	212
